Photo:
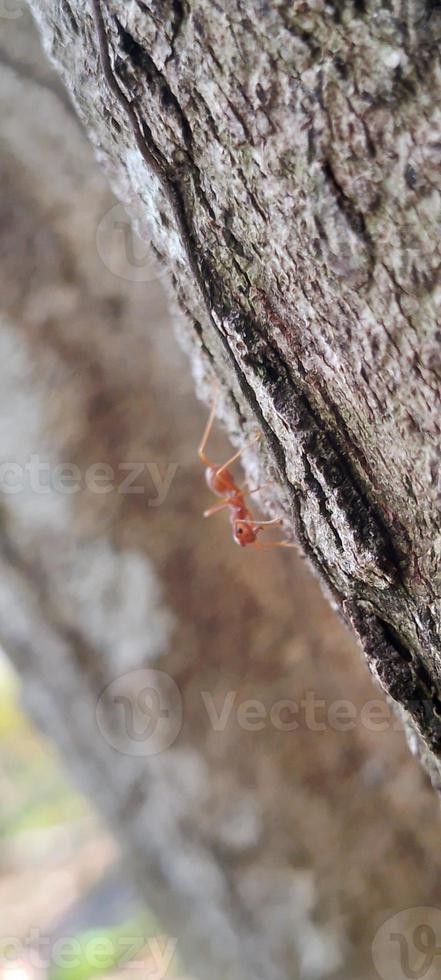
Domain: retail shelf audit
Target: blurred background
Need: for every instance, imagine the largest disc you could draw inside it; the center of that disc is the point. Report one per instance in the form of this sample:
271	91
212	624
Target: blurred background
197	777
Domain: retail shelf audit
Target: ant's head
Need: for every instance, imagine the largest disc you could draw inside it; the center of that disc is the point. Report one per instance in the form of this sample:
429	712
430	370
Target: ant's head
244	533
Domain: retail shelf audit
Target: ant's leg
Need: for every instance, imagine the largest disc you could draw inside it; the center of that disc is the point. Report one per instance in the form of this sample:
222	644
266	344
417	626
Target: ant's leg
205	437
237	455
255	490
276	522
216	508
265	546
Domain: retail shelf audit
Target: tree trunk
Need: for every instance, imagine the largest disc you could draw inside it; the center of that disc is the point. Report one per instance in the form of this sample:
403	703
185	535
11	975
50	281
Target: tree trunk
286	159
285	162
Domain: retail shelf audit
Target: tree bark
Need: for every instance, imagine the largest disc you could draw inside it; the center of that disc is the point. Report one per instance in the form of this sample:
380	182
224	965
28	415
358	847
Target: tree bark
286	160
274	851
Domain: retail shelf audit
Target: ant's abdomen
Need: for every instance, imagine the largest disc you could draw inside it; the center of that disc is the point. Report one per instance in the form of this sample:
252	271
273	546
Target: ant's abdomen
219	483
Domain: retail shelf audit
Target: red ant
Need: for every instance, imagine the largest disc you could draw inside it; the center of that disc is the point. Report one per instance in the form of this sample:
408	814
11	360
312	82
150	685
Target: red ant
222	483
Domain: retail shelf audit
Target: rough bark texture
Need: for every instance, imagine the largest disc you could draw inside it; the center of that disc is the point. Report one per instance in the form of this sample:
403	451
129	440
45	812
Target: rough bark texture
268	853
286	156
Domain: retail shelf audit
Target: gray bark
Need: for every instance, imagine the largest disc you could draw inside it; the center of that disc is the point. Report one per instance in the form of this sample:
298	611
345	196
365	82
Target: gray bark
288	177
286	160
